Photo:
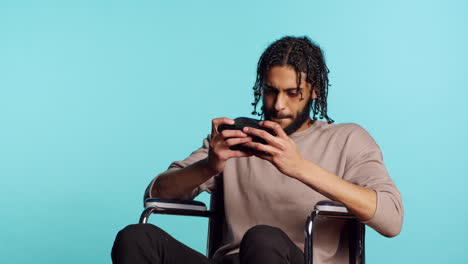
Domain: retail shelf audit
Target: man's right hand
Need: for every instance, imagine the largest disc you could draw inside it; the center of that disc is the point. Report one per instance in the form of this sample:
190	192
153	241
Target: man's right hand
219	151
179	184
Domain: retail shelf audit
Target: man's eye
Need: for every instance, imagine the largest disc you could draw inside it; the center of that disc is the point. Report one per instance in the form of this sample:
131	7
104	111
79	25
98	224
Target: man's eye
293	93
269	91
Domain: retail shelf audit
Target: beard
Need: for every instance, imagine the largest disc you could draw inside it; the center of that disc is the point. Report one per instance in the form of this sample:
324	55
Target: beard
297	122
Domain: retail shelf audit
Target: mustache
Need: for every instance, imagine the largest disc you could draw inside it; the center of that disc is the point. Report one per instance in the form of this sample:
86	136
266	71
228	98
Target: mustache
270	115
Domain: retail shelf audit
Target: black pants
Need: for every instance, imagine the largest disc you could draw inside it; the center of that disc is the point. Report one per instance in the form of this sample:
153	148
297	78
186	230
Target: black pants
146	243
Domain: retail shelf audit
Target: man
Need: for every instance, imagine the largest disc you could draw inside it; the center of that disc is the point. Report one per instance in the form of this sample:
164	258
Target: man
269	192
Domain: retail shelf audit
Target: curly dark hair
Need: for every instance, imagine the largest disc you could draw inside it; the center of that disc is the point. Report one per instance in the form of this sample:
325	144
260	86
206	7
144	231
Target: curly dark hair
304	56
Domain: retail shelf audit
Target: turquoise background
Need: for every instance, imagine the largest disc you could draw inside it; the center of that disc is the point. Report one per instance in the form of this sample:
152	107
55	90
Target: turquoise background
97	97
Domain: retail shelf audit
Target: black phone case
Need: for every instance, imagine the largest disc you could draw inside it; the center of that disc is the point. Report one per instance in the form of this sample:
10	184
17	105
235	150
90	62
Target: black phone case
239	124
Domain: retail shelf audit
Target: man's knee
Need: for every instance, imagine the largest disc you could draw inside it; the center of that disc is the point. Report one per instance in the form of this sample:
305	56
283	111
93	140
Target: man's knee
135	244
136	232
263	236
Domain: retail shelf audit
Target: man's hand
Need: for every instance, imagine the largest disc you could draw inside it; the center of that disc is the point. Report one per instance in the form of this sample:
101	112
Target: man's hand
282	153
219	150
281	150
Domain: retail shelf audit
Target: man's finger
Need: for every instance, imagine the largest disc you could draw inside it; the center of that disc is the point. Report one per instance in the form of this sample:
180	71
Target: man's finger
240	154
219	121
236	141
233	134
275	127
269	138
263	156
261	147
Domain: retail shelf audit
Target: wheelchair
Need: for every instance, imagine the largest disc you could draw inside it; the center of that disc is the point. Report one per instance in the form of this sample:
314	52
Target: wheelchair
323	209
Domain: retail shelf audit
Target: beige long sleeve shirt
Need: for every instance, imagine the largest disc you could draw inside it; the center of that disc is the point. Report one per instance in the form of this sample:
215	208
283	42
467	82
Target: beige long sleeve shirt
255	192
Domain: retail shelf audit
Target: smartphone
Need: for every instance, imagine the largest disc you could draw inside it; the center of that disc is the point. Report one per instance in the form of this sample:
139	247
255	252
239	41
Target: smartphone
239	124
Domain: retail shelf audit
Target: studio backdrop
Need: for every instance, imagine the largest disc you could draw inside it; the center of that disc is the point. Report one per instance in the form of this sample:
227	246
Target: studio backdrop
98	97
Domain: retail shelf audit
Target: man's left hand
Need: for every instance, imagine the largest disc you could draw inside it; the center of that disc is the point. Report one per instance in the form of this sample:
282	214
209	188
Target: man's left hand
281	150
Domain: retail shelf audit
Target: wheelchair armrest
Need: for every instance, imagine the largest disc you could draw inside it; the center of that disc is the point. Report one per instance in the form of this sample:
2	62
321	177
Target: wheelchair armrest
173	207
175	204
332	209
327	209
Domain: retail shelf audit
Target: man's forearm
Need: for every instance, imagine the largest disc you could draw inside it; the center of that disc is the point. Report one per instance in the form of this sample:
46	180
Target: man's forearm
176	184
359	200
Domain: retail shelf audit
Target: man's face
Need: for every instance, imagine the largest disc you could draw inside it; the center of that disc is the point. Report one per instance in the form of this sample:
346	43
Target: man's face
282	100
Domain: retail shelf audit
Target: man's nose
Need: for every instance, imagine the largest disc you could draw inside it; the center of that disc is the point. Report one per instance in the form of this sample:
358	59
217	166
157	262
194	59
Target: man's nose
280	103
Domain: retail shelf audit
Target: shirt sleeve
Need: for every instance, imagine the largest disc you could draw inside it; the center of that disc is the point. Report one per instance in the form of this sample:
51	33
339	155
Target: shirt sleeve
195	156
365	167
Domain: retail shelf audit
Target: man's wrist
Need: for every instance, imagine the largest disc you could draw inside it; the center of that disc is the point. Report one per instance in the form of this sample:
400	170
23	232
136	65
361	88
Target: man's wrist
207	170
305	169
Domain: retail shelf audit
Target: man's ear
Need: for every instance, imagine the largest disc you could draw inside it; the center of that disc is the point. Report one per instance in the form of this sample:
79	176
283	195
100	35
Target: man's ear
314	94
